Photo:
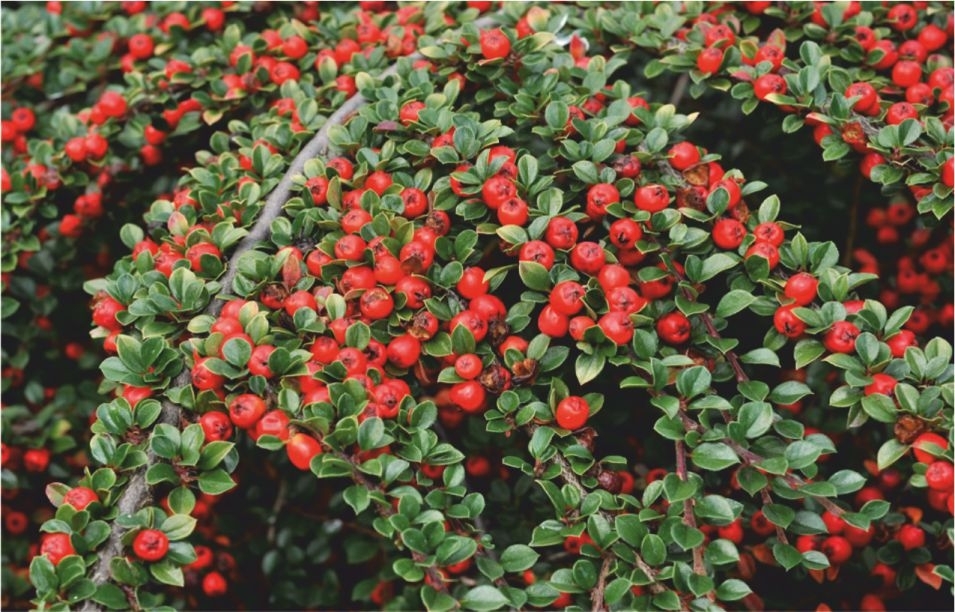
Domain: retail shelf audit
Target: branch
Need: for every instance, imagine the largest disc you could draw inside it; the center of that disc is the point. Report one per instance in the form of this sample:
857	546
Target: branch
137	493
597	596
570	478
386	511
689	519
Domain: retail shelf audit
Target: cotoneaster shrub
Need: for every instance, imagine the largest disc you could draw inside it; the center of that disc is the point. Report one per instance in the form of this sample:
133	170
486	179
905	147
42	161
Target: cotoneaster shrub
437	306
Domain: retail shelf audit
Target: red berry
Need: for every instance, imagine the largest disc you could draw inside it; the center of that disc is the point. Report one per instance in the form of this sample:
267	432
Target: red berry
674	328
150	545
881	384
910	536
940	475
787	323
469	396
56	546
246	409
928	446
494	44
80	497
801	288
841	337
683	155
837	549
651	198
709	60
301	448
769	84
572	412
728	233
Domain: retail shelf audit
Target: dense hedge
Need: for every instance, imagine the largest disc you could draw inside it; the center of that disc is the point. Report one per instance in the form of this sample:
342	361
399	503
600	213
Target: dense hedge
465	305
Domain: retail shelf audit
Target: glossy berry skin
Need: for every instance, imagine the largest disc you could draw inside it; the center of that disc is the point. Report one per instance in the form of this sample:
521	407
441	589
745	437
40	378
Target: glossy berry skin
801	288
56	546
925	445
910	536
683	155
150	545
404	351
468	366
599	197
766	250
301	448
940	475
728	234
566	297
572	412
674	328
787	323
901	341
841	337
709	60
881	384
588	257
80	497
469	396
246	409
494	44
552	323
769	84
216	425
617	326
837	549
651	198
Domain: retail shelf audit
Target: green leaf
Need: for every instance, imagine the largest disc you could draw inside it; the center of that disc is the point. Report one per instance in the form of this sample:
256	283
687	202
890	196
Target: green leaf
215	482
518	557
371	433
167	572
43	575
693	381
786	555
714	456
732	590
891	451
588	367
630	529
178	526
111	597
484	597
534	275
653	549
761	356
880	407
357	497
733	302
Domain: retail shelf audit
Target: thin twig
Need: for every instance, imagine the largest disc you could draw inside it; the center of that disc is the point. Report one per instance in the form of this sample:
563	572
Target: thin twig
689	518
853	222
597	595
570	478
280	498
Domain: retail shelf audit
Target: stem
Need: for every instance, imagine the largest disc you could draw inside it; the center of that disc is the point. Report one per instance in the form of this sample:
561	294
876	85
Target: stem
689	519
570	478
853	222
794	482
137	493
280	498
597	596
768	499
385	511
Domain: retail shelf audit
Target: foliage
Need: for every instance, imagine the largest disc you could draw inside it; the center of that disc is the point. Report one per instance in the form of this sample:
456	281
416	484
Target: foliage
442	300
